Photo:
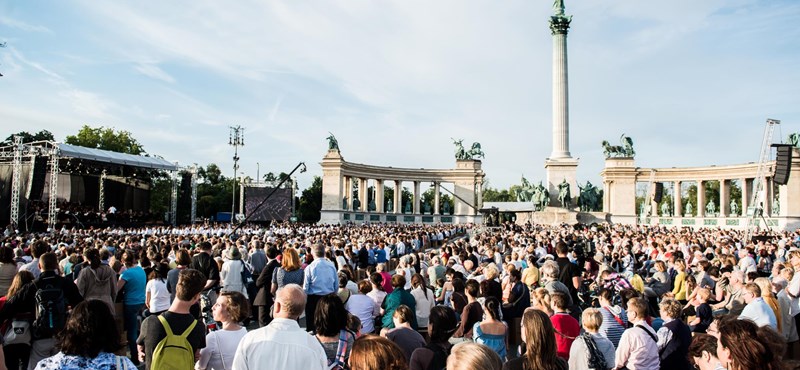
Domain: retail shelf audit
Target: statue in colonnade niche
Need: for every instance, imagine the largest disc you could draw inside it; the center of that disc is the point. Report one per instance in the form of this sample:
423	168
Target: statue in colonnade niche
427	208
344	203
711	208
407	208
689	210
356	204
666	209
776	207
446	208
734	208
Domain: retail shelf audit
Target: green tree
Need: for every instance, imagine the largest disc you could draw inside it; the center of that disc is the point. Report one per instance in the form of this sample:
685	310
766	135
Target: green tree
311	201
495	195
106	138
27	137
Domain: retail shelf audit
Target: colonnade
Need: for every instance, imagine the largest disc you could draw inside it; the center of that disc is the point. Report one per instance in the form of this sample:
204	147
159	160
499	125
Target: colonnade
341	179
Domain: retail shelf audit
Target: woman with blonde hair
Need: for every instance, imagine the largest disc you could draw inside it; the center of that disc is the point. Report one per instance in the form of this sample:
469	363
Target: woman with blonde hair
579	357
772	301
371	352
289	272
473	356
680	289
540	341
540	300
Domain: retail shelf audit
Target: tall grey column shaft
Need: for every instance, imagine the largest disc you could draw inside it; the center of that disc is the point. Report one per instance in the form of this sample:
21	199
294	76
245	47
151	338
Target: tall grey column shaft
559	25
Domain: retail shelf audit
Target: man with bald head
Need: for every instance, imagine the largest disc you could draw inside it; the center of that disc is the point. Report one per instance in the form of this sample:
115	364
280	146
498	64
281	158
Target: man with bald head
282	344
320	280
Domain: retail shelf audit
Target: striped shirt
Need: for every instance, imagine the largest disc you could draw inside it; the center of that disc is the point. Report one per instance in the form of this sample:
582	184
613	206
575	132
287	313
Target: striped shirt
610	328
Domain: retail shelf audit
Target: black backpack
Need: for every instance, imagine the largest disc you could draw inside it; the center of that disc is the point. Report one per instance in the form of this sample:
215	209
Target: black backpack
51	308
439	360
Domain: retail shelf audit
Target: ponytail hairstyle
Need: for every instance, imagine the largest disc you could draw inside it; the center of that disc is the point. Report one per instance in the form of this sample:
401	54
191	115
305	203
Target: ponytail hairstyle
492	307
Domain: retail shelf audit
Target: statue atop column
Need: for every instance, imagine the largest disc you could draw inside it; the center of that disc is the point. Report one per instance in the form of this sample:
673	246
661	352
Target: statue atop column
466	155
558	7
624	150
333	144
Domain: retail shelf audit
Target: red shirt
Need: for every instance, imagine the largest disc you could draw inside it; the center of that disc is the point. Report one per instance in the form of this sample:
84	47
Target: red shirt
567	329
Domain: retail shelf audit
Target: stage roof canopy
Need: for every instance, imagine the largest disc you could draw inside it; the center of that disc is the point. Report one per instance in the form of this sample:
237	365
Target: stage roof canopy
106	156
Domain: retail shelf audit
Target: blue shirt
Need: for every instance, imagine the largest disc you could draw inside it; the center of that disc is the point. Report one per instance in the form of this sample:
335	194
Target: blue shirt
380	256
321	278
135	282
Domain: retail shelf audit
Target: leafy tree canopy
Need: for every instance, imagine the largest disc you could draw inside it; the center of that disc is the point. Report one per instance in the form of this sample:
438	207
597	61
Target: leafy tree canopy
106	138
27	137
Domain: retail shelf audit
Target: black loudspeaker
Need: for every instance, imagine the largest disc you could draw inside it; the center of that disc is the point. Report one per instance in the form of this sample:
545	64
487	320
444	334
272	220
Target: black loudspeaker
783	164
36	187
659	192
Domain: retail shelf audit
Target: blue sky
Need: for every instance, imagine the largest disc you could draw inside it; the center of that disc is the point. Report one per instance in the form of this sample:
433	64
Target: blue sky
692	82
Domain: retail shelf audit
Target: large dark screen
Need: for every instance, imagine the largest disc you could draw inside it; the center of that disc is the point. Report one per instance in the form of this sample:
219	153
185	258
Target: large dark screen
278	207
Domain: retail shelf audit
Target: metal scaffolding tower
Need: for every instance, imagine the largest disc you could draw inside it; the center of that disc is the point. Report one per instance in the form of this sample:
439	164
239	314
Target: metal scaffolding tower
756	209
52	192
193	216
173	206
16	180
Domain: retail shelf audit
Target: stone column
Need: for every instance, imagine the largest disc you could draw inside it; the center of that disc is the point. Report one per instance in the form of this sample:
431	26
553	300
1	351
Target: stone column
436	196
559	26
415	206
362	194
725	198
767	188
398	191
379	196
348	192
701	198
677	207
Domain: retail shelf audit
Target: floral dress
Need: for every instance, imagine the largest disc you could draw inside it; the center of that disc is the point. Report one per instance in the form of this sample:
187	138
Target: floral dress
103	361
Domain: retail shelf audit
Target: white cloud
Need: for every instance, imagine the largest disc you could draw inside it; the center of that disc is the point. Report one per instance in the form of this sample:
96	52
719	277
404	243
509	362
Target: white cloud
152	70
22	26
395	80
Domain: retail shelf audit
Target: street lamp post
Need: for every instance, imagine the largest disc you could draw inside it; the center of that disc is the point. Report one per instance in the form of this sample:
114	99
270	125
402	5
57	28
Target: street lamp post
235	139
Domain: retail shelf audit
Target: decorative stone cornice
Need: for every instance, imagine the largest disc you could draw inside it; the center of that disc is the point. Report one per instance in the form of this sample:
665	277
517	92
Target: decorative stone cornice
559	24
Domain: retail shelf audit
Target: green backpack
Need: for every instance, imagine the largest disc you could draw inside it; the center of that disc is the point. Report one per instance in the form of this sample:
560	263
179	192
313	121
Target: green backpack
173	352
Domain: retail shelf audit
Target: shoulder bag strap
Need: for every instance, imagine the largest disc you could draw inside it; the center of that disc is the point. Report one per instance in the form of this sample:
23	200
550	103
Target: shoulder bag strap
165	324
216	338
648	333
616	318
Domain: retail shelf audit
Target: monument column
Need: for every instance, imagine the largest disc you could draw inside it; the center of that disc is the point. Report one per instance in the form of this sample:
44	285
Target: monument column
767	196
747	190
676	198
724	198
560	165
415	207
348	192
379	196
701	199
436	196
398	191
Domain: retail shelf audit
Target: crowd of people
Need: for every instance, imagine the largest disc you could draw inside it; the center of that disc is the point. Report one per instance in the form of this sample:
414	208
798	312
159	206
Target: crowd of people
388	296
